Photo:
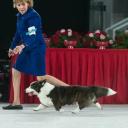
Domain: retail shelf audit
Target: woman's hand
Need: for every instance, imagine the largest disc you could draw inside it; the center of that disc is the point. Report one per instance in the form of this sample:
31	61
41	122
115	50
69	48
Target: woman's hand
10	53
18	49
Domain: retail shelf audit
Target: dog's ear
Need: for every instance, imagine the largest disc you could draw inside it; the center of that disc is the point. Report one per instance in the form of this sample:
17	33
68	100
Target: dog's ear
43	81
37	85
33	82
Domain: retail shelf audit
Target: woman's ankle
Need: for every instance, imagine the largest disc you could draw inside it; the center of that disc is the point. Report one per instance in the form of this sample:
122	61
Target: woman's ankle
16	103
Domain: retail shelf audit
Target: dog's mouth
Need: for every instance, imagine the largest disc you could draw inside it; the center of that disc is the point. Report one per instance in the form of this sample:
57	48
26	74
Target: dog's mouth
31	93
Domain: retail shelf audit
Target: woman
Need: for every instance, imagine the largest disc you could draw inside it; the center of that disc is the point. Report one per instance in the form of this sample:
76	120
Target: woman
29	44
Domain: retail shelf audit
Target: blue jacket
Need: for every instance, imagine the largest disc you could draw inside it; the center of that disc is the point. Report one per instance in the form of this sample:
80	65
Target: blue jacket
29	32
27	25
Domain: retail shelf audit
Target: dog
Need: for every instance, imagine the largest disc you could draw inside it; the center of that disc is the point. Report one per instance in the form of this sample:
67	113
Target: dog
58	96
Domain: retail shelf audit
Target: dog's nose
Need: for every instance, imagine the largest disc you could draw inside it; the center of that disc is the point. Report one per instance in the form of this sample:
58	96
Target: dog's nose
26	90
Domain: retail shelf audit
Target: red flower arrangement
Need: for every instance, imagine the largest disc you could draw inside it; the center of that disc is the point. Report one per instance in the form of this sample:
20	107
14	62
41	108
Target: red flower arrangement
62	38
94	39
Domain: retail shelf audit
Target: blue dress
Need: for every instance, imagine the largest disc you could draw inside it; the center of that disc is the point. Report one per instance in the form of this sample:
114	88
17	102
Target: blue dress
29	32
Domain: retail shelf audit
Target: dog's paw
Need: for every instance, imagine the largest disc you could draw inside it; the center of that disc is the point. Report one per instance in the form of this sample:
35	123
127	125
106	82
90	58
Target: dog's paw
61	110
99	106
77	110
36	109
39	107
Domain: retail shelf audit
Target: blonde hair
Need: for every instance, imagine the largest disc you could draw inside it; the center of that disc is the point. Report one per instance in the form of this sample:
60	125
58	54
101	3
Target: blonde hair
30	2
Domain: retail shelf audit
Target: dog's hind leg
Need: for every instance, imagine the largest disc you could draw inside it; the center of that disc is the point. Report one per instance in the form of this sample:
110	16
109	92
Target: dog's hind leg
98	105
82	104
77	110
61	110
41	106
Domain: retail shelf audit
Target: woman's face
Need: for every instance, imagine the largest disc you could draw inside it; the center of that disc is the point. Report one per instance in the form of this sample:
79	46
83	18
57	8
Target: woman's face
22	7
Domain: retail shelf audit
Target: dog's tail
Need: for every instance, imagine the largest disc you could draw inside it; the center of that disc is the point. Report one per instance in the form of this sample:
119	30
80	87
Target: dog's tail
102	91
111	92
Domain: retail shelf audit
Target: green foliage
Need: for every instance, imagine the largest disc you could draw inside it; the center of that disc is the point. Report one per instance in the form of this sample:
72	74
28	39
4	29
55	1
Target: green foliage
121	39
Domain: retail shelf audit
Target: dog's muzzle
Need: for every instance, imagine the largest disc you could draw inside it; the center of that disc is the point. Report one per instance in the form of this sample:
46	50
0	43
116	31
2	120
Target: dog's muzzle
29	91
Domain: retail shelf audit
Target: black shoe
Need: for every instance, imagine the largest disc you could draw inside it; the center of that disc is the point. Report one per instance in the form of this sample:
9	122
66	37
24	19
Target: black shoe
13	107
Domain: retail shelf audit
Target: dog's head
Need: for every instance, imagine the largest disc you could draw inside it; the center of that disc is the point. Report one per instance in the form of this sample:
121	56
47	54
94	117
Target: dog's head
35	87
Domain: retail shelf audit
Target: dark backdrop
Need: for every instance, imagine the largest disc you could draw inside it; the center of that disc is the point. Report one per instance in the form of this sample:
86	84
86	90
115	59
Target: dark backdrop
55	14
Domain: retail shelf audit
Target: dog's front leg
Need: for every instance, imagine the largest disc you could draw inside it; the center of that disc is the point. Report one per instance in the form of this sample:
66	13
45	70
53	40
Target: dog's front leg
58	106
41	106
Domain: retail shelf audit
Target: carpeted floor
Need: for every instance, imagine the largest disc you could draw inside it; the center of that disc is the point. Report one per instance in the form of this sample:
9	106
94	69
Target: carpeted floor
112	116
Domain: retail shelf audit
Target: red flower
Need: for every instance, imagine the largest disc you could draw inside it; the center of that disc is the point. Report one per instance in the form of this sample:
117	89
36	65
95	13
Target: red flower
92	37
64	34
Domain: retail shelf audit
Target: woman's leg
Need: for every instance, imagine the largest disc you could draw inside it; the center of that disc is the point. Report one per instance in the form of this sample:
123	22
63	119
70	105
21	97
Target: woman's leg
52	80
16	77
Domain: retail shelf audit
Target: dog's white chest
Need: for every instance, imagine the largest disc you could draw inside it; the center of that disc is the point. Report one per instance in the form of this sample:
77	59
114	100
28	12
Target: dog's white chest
45	100
43	94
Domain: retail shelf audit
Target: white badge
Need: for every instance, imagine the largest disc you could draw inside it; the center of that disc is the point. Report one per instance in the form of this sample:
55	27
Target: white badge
31	31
